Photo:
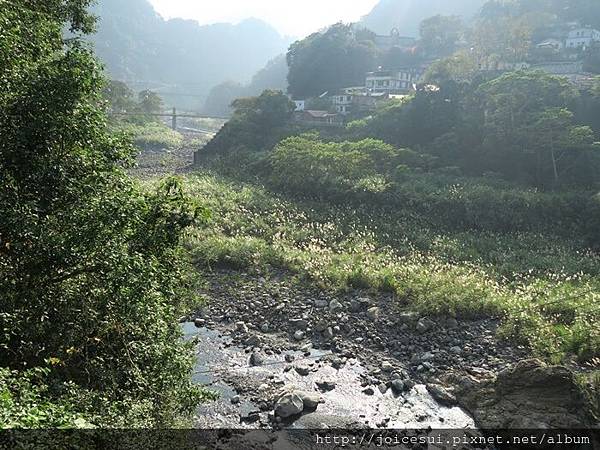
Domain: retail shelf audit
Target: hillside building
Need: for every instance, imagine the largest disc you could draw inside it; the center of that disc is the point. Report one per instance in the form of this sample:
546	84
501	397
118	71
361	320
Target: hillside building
391	81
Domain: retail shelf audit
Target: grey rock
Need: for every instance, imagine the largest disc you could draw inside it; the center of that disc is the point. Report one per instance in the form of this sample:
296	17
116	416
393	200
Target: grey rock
328	333
241	327
299	324
456	350
302	370
369	391
299	335
386	366
398	386
264	328
373	313
289	405
335	306
310	399
442	395
199	323
256	359
424	325
326	385
235	399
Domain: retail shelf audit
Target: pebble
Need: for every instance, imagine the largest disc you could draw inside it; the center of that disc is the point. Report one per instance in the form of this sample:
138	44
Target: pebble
335	306
299	335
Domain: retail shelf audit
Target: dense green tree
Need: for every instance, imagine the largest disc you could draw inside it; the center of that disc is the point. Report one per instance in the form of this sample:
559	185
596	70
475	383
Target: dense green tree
119	96
329	61
92	278
150	102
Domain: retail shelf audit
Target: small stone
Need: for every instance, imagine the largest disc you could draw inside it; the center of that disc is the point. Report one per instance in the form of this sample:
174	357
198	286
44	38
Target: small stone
289	358
387	366
369	391
326	385
302	370
235	399
409	384
310	399
383	388
424	325
256	359
299	335
456	350
373	313
335	306
199	323
328	333
264	328
241	327
452	323
299	324
398	386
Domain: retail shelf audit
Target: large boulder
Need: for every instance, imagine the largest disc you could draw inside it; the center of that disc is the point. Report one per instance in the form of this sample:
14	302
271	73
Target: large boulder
289	405
529	395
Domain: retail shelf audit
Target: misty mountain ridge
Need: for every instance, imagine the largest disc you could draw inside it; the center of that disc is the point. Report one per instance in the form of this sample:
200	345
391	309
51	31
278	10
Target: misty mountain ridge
406	15
180	56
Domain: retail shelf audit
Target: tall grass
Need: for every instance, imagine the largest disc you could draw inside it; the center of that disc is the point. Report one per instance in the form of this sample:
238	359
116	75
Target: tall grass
544	288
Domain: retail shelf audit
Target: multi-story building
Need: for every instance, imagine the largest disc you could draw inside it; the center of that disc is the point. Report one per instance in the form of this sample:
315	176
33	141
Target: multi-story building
391	81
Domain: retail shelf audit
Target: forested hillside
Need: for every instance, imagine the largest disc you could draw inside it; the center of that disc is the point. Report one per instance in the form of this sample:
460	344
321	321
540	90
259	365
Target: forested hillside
179	56
407	15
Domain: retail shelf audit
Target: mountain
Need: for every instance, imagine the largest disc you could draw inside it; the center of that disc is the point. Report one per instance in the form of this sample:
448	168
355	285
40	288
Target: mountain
272	76
179	58
406	15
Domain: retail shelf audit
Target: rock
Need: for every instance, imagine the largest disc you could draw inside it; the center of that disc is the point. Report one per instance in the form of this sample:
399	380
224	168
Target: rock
299	324
241	327
529	394
289	405
373	313
424	325
335	306
326	385
302	370
398	386
235	399
456	350
289	358
321	326
299	335
310	399
256	359
328	333
199	323
252	341
427	356
408	317
320	303
442	395
383	388
452	323
387	366
369	391
264	328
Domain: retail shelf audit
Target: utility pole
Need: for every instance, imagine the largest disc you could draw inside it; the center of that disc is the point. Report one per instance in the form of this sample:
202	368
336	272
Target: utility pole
174	122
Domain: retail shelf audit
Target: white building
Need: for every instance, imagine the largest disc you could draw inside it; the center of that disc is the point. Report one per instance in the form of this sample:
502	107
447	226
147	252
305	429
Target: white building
582	37
391	81
300	105
343	103
551	44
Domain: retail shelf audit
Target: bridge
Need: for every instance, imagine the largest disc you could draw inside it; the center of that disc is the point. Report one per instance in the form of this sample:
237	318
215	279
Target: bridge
174	116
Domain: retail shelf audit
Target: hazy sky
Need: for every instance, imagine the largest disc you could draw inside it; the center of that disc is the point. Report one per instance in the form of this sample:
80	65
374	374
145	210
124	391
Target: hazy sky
296	18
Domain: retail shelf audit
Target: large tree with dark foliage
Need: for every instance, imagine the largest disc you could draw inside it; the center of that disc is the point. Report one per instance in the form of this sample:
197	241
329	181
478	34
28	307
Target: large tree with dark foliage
330	60
91	273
